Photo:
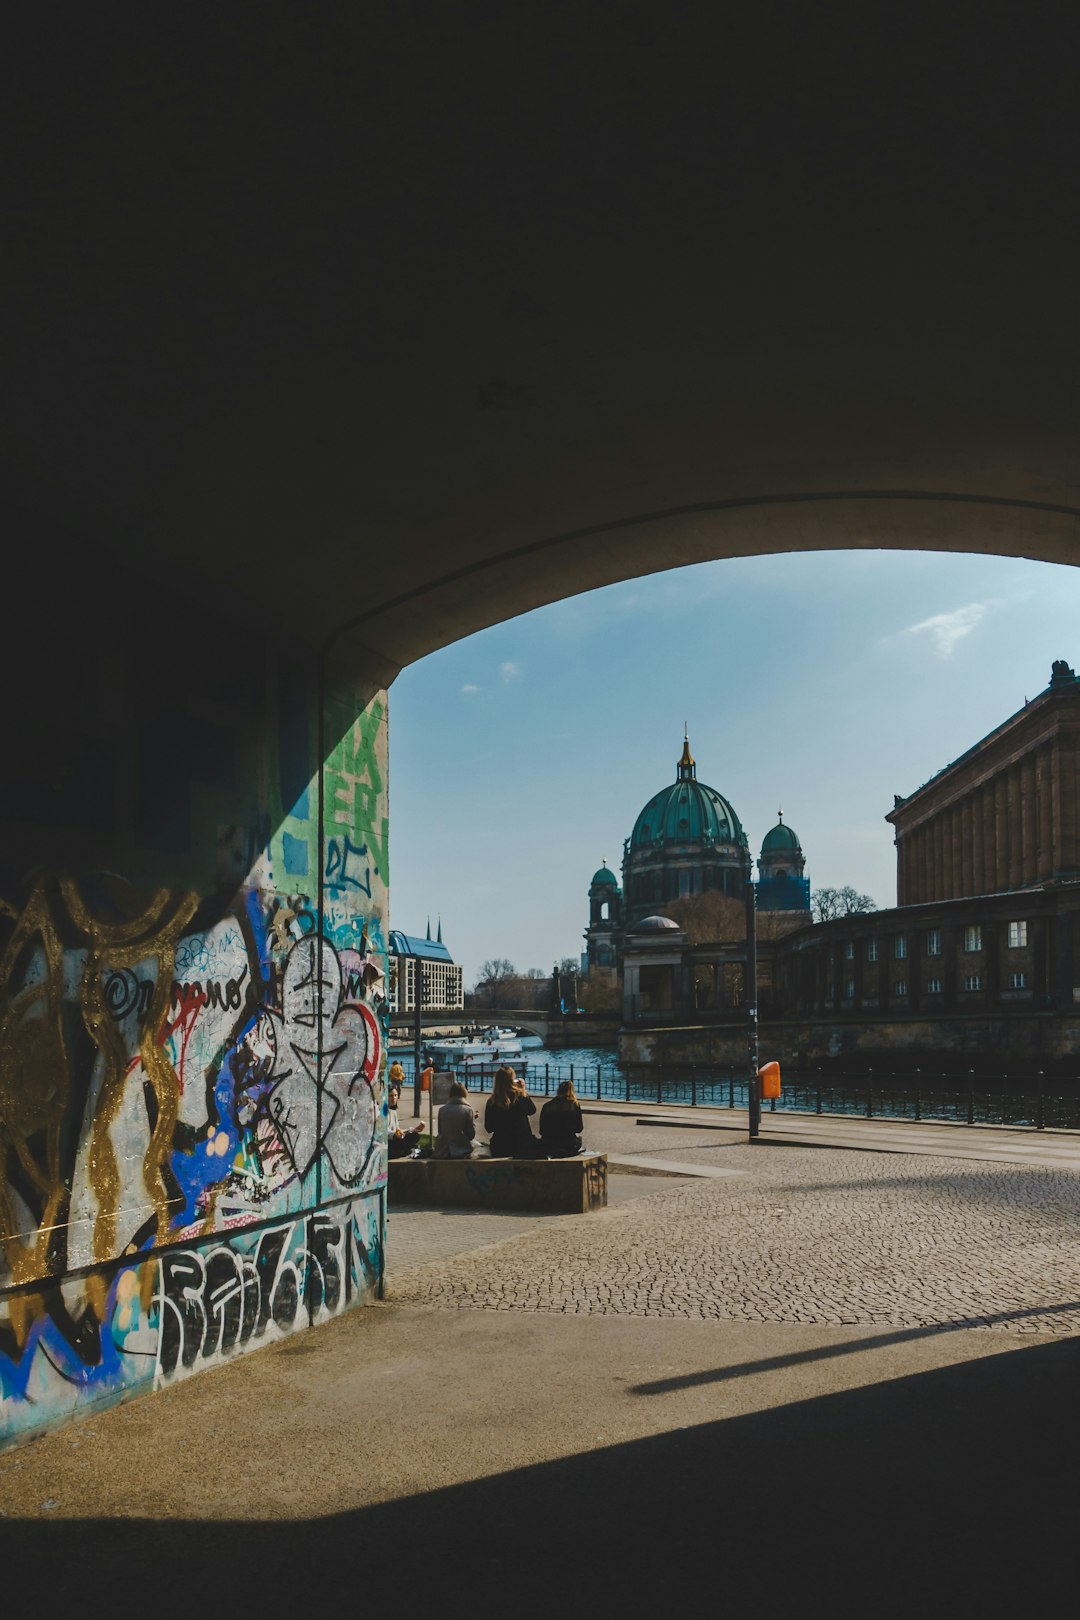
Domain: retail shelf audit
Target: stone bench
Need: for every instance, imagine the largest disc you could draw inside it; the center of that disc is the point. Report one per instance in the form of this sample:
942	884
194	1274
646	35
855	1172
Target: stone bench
552	1186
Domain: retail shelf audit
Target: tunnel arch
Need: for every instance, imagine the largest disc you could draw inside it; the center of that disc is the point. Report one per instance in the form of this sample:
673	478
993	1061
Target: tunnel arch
433	612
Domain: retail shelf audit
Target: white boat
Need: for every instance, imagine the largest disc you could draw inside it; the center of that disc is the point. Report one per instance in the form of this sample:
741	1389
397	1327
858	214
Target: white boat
483	1051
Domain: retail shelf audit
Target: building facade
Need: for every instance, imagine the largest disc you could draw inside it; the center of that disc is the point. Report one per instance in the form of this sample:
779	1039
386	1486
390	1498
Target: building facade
1005	814
423	970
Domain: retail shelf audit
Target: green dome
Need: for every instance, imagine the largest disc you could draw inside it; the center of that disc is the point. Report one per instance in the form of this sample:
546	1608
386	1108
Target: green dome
779	838
687	812
605	875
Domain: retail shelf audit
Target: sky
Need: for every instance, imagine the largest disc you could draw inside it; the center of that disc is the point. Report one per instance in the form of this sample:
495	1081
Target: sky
818	683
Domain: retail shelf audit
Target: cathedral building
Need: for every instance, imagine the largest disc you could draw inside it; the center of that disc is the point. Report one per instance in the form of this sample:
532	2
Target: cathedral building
687	842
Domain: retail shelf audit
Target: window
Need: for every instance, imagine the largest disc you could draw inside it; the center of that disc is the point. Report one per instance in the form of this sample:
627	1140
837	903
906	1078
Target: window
1017	935
1017	981
832	990
849	988
933	942
973	938
871	951
900	946
849	951
933	987
900	987
972	981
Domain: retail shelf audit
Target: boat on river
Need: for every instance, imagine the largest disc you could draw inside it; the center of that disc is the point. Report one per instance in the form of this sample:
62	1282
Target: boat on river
483	1049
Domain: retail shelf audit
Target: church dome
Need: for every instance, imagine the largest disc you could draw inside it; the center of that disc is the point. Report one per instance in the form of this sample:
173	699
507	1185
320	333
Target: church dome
604	875
687	811
656	925
780	838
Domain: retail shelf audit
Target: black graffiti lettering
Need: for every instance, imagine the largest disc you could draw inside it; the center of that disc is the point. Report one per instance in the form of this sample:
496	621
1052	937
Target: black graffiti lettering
214	1301
183	1319
227	995
224	1291
267	1259
324	1268
286	1298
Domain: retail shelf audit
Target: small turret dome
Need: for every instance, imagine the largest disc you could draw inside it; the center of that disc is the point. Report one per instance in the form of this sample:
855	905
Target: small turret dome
780	838
604	875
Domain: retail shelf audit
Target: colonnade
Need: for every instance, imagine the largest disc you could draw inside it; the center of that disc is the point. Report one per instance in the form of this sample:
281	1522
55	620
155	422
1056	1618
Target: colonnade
1011	830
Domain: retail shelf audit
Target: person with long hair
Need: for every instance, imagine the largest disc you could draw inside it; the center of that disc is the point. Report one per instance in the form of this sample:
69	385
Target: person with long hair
457	1125
506	1118
560	1123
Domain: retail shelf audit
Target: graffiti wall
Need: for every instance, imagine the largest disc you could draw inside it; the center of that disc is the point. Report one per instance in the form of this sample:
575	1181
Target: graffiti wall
192	1110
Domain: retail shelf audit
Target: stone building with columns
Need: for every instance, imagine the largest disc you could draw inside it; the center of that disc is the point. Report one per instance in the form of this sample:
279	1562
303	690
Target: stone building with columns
1004	815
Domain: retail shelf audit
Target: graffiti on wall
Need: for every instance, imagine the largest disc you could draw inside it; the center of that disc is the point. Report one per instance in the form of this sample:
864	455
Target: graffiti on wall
166	1076
171	1314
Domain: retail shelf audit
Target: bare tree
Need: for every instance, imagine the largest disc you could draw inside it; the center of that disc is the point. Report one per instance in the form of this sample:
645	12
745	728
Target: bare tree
495	981
828	904
707	919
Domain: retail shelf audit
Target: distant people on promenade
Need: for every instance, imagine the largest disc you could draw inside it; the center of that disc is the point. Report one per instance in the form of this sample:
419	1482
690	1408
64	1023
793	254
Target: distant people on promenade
506	1118
457	1125
560	1123
399	1144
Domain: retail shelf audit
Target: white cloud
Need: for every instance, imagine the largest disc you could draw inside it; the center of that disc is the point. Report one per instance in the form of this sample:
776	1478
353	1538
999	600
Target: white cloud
469	687
948	629
509	672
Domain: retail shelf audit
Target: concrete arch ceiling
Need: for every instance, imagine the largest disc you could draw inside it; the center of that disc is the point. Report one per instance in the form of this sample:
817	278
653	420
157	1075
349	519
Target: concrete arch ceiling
418	325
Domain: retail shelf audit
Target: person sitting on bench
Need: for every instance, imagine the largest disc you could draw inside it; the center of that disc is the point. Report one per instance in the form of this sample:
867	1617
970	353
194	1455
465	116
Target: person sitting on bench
506	1118
457	1125
560	1123
399	1144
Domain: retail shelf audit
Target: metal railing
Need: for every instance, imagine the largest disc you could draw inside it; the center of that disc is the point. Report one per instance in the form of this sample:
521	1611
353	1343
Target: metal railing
1032	1100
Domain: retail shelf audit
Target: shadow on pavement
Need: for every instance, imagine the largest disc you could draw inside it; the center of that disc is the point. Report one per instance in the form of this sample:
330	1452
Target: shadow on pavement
826	1352
951	1487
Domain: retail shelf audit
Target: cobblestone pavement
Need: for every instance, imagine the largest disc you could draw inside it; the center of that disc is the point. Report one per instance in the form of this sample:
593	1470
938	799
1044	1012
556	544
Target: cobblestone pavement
804	1236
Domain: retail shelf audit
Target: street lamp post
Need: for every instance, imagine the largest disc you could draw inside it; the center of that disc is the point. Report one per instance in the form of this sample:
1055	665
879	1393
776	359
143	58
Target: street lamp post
753	1084
418	1033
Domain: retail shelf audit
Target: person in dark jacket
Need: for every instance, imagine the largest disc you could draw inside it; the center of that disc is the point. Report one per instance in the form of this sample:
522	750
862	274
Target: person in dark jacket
560	1123
506	1118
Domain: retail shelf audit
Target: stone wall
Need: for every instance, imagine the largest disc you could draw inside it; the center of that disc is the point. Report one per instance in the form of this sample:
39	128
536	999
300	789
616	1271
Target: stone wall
988	1044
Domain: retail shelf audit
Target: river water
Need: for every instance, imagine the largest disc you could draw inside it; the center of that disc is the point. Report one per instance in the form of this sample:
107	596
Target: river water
597	1076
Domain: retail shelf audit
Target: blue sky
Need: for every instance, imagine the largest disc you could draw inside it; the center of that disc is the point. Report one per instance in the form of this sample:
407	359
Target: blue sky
822	683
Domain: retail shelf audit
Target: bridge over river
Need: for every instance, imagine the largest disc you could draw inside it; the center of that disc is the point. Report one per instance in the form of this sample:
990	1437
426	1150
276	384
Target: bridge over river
554	1029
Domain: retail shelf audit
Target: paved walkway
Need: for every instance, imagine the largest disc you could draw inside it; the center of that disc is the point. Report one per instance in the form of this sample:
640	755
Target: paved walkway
827	1377
778	1233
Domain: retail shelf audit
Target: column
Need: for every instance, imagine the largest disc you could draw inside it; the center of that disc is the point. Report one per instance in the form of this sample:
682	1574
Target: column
1028	835
990	851
967	854
978	869
1069	859
1012	810
1001	836
1045	796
